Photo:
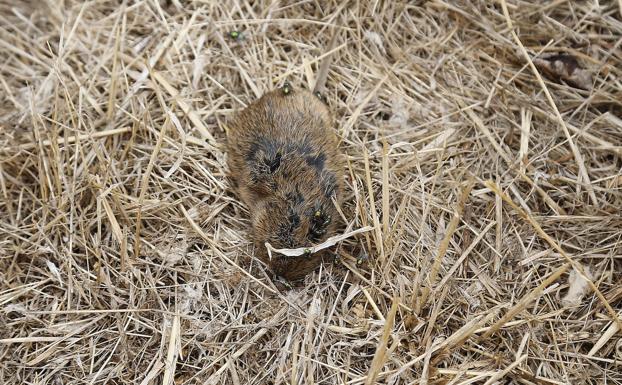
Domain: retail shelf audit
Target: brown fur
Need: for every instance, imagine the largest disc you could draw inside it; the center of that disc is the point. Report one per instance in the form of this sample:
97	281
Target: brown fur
285	165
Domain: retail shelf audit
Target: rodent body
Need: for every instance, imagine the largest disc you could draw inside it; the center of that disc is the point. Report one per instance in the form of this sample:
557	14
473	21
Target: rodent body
286	167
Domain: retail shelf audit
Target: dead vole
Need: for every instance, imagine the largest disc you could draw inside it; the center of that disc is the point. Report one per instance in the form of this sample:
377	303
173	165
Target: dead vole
286	167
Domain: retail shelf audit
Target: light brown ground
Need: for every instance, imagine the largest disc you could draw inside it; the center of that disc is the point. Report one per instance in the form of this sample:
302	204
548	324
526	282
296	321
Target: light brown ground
124	257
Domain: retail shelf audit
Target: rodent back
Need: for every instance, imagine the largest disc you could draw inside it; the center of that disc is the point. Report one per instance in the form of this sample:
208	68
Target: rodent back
278	138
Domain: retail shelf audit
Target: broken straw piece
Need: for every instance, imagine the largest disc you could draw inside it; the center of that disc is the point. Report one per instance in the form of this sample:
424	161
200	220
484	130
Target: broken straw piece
310	250
577	289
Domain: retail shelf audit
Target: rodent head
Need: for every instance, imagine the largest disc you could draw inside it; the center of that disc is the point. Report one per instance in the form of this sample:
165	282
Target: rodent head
300	212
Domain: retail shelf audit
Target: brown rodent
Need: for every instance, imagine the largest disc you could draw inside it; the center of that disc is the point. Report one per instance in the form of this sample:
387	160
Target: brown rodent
286	167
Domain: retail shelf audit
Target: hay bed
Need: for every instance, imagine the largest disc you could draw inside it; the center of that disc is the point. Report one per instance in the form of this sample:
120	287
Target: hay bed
124	256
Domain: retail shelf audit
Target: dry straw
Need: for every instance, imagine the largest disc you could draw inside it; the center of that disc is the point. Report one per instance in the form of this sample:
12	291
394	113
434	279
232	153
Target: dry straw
487	194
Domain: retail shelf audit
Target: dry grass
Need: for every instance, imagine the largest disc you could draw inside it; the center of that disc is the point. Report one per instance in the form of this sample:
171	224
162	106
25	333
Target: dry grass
494	194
